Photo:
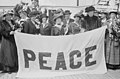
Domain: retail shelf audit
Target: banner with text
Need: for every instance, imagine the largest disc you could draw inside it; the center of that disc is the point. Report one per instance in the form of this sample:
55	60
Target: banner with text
50	56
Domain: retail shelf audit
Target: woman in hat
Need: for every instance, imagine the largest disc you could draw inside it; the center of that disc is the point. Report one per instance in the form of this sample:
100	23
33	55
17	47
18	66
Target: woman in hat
113	43
31	26
58	28
76	26
104	18
45	26
92	22
8	54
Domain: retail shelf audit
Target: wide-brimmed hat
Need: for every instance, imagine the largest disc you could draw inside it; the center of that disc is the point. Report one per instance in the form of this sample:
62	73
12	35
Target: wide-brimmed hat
113	11
67	12
7	12
57	16
90	8
77	15
34	13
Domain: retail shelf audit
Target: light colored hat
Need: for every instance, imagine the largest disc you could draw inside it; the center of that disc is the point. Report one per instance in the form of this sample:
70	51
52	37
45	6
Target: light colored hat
7	12
57	16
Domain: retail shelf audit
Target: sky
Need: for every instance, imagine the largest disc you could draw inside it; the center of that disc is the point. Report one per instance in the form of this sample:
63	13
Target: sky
49	2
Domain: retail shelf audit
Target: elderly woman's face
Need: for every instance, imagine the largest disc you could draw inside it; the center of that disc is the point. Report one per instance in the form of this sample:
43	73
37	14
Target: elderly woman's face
91	13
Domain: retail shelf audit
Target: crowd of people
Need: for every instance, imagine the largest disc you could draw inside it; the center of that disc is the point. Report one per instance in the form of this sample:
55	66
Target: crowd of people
32	20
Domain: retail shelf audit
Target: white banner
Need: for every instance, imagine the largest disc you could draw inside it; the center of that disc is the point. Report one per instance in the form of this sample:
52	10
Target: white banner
50	56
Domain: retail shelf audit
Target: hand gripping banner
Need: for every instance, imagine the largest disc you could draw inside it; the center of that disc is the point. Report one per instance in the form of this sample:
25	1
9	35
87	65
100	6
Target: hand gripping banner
51	56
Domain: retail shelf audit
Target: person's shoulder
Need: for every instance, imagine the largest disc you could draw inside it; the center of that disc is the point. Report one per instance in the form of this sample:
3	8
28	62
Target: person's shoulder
86	17
95	17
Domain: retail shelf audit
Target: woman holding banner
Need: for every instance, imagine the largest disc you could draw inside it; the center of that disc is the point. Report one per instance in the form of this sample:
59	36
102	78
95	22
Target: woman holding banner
113	42
8	54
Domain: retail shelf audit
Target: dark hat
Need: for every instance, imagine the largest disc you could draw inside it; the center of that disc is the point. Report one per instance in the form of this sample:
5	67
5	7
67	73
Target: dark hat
7	12
57	16
36	0
90	8
67	12
33	13
44	16
115	12
77	15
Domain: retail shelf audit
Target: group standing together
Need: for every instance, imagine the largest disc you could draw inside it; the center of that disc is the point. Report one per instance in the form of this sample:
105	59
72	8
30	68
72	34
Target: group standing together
31	20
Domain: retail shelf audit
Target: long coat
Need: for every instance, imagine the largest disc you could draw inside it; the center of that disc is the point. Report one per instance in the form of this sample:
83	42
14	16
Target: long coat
92	23
8	54
112	45
29	27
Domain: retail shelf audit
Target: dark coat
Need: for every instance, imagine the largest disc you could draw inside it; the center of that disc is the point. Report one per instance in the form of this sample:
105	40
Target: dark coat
29	27
55	31
46	30
8	54
92	23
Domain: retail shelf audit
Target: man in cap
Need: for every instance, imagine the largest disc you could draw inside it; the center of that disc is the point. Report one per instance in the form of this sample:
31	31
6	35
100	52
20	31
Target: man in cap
31	26
91	21
67	20
67	14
